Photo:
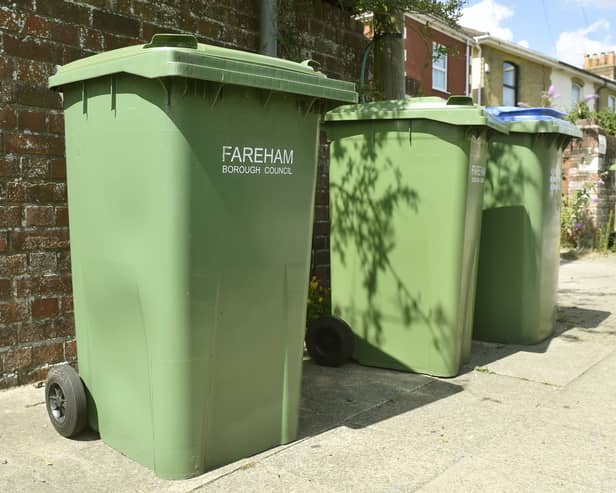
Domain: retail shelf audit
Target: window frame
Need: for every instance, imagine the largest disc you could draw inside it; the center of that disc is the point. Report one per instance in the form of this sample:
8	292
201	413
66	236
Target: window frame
611	107
443	70
580	97
515	82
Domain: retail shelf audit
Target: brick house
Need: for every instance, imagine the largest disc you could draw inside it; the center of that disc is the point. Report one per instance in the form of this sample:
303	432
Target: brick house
436	58
586	165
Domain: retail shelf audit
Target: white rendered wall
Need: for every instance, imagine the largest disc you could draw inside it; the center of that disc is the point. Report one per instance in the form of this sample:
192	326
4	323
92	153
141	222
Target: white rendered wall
562	84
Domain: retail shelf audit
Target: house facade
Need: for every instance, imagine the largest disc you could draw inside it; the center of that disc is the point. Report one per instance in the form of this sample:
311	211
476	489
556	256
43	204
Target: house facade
443	61
436	58
508	74
502	75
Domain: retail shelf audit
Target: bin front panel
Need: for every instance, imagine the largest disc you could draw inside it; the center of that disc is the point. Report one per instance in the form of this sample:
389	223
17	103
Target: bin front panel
190	214
519	257
405	216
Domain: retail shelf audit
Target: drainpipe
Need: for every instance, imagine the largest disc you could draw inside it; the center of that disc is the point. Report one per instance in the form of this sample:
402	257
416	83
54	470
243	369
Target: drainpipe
467	89
268	28
478	40
598	100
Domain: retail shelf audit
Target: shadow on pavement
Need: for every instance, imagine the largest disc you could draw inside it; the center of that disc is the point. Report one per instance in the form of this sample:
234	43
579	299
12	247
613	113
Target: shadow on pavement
354	395
87	436
568	256
582	318
567	318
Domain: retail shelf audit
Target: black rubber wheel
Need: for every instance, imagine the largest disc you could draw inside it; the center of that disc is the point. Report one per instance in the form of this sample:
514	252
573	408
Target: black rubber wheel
329	341
65	397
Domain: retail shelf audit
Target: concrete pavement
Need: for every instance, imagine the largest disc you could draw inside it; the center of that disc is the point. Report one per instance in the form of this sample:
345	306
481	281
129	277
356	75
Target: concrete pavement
534	418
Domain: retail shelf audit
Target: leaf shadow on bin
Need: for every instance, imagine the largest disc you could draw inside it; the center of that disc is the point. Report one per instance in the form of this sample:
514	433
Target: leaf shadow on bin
365	198
331	396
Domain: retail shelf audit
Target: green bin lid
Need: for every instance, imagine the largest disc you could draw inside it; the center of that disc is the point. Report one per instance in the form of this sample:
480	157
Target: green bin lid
169	55
458	110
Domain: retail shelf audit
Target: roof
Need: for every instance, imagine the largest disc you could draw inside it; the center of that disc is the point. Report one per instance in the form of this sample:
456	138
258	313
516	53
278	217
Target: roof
434	22
540	58
478	37
605	80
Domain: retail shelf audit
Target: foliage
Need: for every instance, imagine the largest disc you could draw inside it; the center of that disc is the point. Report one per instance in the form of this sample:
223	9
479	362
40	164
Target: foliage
603	235
319	300
575	219
604	119
446	10
549	97
607	121
580	111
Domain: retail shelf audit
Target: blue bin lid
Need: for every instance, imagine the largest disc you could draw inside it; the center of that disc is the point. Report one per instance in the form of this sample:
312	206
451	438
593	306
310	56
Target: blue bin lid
534	120
515	114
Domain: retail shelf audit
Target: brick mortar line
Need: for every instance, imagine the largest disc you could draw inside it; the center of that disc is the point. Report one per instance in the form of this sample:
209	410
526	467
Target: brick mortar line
36	344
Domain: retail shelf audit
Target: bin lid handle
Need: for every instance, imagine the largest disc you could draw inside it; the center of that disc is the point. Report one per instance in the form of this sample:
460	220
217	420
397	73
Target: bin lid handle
313	64
460	101
172	41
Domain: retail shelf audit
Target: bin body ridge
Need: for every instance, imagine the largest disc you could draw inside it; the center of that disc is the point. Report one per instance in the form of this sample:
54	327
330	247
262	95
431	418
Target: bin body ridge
190	282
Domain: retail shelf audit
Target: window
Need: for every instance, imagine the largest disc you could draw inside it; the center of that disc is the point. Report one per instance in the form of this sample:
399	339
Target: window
576	93
611	104
510	84
439	67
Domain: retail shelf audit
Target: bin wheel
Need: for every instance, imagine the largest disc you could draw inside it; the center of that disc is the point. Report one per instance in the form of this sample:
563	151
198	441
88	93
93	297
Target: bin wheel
329	341
65	398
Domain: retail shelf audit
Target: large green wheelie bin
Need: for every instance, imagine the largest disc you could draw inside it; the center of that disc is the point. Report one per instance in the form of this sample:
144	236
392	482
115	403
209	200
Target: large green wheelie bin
191	177
406	185
519	253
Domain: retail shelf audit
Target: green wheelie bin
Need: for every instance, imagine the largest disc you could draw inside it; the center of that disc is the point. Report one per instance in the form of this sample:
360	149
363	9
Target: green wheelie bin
406	185
519	253
191	179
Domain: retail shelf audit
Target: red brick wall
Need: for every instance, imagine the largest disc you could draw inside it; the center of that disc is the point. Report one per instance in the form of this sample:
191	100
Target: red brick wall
36	314
418	45
585	167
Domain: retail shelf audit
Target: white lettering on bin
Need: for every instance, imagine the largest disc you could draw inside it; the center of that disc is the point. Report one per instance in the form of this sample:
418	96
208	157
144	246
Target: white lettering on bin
247	160
555	180
478	173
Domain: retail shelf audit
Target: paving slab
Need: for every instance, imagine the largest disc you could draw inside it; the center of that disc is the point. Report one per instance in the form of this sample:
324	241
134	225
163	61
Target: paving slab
34	458
588	403
258	477
330	395
518	418
472	475
536	447
557	361
412	438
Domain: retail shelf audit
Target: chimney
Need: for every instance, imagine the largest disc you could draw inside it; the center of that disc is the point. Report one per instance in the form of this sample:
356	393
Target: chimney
603	65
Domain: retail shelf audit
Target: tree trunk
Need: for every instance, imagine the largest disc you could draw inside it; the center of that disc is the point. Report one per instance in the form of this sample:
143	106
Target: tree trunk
389	56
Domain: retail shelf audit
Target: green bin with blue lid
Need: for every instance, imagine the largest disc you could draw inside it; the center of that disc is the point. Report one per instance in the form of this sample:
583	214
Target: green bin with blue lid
406	189
191	178
520	236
